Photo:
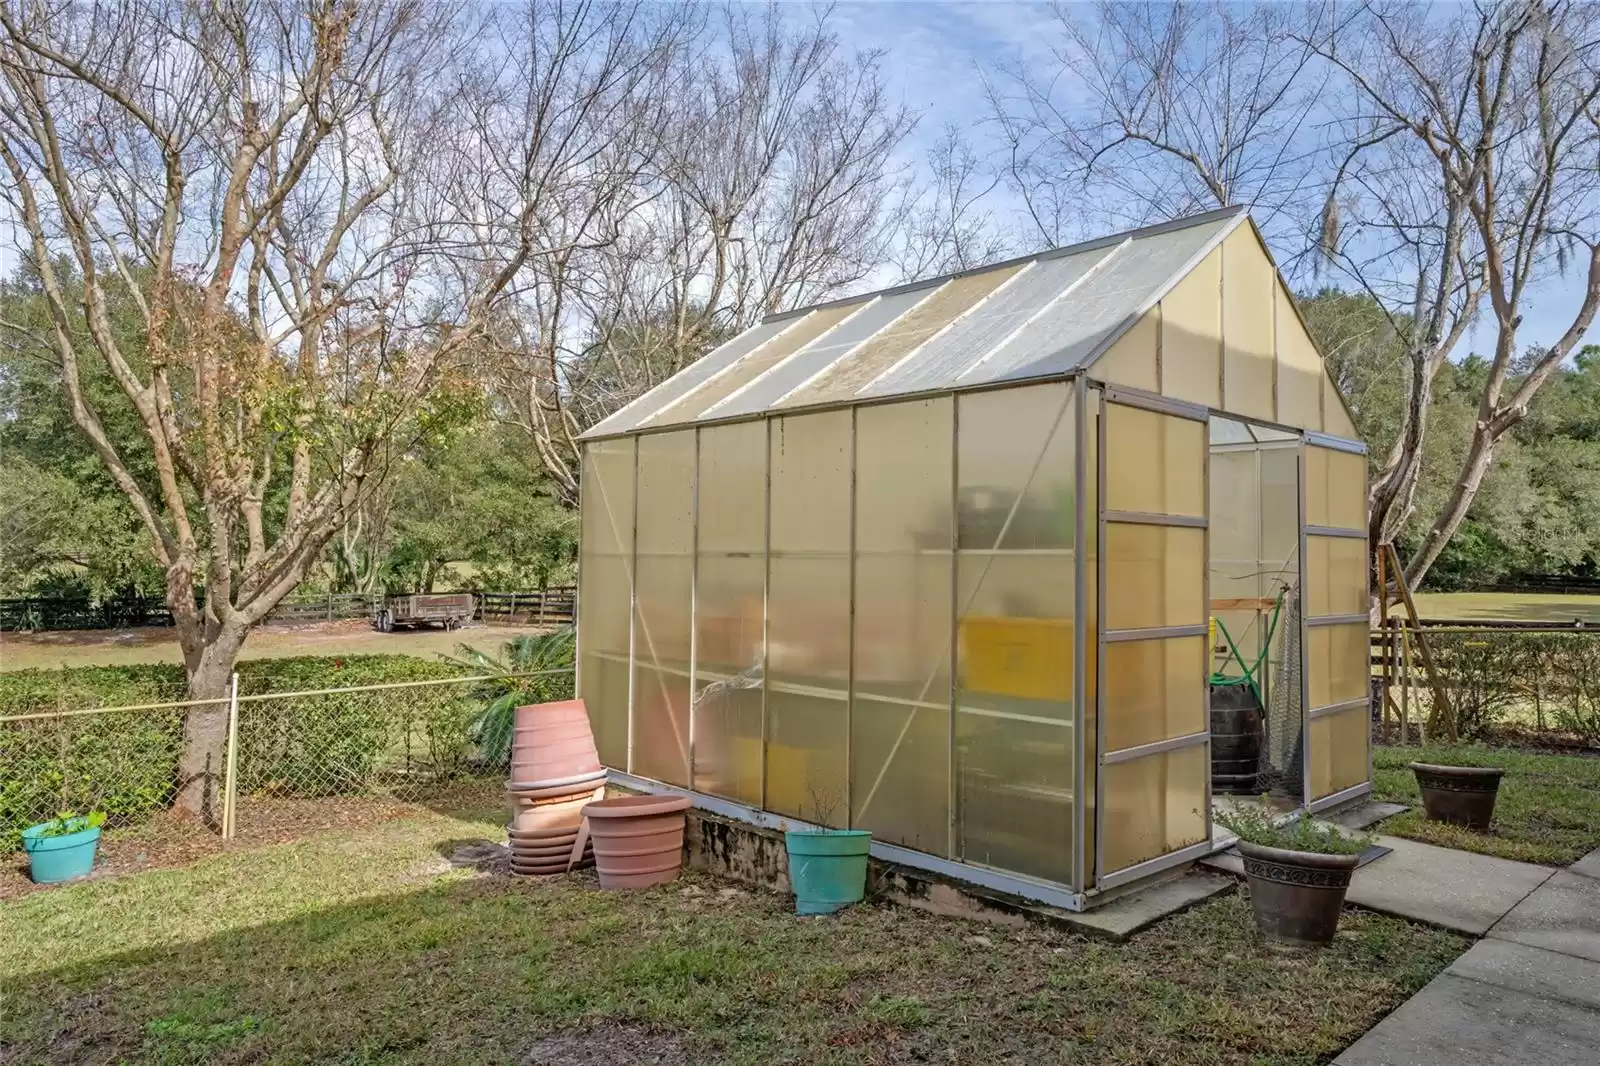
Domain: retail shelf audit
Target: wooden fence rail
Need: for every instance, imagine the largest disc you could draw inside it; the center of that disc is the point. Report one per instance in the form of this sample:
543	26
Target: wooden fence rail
552	606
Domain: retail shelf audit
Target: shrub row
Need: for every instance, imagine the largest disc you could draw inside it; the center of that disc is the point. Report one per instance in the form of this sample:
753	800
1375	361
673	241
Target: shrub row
125	763
1547	681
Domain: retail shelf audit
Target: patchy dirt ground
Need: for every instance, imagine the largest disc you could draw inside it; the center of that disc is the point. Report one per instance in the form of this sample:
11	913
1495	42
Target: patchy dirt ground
176	838
352	636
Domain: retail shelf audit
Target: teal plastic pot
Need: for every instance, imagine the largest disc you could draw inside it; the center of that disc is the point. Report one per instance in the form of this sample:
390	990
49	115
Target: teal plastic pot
828	868
59	858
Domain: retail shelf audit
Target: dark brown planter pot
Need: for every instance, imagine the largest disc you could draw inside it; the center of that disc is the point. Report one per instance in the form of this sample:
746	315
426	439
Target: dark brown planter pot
1296	895
1460	795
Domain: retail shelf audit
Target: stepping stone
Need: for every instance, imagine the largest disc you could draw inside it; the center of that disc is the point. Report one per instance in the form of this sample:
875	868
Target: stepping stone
1452	889
1368	814
1588	866
1126	915
1531	970
1490	1008
1563	915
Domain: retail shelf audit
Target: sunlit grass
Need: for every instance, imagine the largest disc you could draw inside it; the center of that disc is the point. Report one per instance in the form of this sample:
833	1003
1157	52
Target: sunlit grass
367	948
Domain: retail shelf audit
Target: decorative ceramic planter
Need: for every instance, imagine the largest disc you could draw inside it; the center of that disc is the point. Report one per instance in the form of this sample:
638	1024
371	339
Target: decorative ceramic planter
1296	895
64	857
1459	795
638	840
828	868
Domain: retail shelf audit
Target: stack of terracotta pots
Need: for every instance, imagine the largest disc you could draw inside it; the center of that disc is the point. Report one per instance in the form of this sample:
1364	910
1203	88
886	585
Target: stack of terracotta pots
555	771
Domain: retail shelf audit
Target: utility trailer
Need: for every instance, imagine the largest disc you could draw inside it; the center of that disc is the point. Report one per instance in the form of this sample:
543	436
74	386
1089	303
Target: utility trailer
447	609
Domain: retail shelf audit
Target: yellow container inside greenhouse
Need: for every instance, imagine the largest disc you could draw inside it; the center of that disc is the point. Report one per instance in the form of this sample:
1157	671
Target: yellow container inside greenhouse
1030	658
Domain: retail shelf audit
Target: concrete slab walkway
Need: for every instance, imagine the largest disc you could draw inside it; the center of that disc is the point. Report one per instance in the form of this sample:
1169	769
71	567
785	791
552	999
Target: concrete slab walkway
1530	993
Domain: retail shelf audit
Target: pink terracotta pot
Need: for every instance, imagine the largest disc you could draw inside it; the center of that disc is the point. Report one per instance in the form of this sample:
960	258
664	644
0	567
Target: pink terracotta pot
556	793
551	741
554	713
638	840
563	815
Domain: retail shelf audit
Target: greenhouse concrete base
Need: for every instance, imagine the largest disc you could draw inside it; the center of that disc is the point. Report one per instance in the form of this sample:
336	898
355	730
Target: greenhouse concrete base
743	844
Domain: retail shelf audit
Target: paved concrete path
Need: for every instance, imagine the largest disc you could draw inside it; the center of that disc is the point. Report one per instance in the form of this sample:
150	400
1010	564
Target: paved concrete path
1530	993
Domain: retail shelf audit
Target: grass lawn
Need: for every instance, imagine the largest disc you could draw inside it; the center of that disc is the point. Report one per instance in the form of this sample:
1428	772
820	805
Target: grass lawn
1548	810
366	948
125	647
1508	606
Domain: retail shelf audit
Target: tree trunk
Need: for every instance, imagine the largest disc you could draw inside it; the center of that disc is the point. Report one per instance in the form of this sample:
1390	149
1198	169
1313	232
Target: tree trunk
1449	520
205	728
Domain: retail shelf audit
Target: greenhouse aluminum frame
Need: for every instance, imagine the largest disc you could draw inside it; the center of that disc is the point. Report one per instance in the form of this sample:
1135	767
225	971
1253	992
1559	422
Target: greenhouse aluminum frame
766	398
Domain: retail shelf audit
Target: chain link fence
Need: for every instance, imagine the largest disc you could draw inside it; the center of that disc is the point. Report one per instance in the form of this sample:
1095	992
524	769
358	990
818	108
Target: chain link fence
294	761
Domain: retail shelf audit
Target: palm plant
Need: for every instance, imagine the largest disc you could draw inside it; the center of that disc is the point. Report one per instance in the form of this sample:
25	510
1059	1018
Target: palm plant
534	668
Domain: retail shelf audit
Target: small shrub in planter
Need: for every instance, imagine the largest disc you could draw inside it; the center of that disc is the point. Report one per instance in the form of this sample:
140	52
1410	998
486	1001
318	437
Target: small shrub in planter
63	848
1298	873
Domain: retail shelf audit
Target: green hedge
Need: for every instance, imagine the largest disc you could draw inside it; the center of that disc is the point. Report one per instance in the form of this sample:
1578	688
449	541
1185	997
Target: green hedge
125	763
1543	681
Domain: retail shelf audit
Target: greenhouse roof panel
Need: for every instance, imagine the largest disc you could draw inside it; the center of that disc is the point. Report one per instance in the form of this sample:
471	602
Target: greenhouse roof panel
1045	315
1073	330
819	355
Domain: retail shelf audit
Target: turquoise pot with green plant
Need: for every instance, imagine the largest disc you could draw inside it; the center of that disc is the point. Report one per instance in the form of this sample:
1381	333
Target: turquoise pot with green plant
828	868
63	848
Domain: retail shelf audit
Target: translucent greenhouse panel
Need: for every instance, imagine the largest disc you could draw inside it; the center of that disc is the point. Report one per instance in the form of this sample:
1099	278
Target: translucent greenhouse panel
1014	683
808	664
605	611
959	349
1235	542
853	373
728	686
1155	805
1132	360
1071	330
1150	685
730	585
1247	325
821	353
733	489
1339	751
900	710
1155	463
811	326
1299	367
1017	471
676	387
808	617
811	483
1336	576
1338	663
664	565
1155	576
1336	421
1336	488
1191	335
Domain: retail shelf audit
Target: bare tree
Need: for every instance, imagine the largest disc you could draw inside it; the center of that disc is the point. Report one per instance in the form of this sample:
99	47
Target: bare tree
760	155
259	178
945	223
1469	171
1150	111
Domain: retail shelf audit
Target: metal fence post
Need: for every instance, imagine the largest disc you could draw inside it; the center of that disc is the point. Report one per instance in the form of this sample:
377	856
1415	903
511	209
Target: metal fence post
230	781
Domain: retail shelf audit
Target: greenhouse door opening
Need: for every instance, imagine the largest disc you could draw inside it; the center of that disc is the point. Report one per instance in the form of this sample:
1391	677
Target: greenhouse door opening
1258	724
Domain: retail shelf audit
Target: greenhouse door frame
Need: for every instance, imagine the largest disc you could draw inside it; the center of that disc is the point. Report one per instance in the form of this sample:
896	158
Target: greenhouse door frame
1103	879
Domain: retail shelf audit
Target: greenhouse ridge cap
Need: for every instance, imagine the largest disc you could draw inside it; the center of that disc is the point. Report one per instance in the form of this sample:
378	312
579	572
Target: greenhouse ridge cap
1109	240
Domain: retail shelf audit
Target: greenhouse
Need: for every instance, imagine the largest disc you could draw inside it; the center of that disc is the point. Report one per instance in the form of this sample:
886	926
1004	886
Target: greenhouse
966	562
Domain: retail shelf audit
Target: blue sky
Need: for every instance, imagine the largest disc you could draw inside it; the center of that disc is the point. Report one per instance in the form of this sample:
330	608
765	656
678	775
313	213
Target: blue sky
937	54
